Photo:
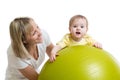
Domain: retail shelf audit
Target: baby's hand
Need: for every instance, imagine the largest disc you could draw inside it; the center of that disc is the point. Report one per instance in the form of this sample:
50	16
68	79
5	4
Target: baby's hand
97	45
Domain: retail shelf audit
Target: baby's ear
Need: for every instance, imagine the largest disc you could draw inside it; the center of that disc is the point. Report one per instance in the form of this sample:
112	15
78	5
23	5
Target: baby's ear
87	29
69	28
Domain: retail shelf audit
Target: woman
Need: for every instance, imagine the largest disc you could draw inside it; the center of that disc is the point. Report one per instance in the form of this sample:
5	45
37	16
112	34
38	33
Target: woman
27	50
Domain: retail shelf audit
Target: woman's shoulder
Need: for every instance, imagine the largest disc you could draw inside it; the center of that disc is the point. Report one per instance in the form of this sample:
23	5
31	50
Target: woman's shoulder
46	37
44	31
10	50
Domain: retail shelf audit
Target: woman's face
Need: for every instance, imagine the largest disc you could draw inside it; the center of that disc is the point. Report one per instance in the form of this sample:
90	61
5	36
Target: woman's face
78	29
35	35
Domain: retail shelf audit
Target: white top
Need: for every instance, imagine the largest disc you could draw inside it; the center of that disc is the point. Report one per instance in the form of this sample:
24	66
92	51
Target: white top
15	63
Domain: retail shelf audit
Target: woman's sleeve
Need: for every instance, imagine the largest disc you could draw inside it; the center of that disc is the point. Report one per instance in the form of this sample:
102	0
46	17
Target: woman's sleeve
46	38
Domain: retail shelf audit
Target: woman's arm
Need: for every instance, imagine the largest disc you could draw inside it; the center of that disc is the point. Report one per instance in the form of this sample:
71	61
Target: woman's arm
54	53
49	49
30	73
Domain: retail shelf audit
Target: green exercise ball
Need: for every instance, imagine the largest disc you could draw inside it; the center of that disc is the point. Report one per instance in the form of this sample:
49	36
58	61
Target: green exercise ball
81	63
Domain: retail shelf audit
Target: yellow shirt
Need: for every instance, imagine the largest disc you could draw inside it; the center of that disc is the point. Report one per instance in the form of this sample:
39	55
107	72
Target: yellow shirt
68	41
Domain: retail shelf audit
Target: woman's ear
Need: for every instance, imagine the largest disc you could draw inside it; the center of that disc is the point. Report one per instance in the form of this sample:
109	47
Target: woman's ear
24	42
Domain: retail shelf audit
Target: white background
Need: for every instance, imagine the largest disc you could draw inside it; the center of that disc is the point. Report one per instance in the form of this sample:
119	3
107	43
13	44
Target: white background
53	16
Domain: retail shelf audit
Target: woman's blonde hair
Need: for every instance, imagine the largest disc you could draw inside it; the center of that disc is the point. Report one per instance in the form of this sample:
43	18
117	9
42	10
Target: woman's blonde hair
78	17
19	29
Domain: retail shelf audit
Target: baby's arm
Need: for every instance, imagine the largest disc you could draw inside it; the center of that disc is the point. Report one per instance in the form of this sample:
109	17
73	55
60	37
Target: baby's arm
93	42
97	45
54	51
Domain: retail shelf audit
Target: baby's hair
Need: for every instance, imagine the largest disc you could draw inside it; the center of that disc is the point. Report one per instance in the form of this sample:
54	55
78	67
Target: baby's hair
77	17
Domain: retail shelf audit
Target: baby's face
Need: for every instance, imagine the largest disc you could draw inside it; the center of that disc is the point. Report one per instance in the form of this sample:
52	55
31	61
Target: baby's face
78	29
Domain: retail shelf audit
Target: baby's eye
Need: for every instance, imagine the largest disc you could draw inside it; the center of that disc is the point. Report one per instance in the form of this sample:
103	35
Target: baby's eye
74	26
82	26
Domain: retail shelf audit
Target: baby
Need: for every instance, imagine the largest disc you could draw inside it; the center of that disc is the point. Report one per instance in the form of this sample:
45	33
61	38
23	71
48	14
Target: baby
78	27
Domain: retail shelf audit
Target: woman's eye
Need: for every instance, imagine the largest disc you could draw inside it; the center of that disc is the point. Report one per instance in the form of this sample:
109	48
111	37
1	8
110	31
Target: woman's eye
38	27
34	33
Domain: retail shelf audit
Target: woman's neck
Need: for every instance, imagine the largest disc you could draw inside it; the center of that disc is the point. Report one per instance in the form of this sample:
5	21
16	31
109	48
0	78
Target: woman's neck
33	51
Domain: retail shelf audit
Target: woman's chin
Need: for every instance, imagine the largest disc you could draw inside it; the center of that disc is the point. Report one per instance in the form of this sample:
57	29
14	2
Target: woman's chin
40	41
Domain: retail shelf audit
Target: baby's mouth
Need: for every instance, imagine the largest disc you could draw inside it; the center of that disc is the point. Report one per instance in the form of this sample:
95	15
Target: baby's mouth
78	33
